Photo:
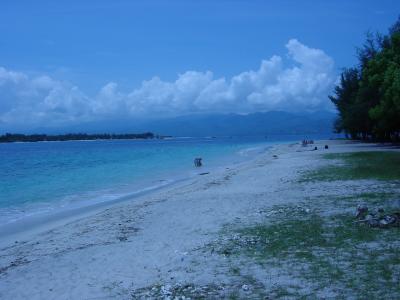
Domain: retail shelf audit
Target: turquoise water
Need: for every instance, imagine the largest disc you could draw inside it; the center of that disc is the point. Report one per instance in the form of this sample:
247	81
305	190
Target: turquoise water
37	178
47	176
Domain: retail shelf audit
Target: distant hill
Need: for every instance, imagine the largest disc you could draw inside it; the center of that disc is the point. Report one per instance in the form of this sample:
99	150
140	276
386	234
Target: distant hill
266	123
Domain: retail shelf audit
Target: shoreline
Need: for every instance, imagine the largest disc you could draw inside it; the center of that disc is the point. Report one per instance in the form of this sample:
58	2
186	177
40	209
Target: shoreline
38	223
166	238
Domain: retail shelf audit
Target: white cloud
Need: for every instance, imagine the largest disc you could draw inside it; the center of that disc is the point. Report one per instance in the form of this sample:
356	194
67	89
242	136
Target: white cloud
25	100
303	83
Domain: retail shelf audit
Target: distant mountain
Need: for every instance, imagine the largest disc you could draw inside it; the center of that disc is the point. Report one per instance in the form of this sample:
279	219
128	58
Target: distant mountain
266	123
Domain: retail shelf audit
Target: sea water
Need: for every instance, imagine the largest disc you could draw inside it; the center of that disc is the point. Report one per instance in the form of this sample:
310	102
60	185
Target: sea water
46	177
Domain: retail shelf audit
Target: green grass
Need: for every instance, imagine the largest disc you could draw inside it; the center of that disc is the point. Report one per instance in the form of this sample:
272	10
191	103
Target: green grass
278	239
383	200
324	250
300	237
378	165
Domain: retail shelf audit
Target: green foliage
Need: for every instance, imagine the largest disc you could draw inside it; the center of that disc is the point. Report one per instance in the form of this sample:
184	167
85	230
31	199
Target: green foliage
343	99
368	97
359	165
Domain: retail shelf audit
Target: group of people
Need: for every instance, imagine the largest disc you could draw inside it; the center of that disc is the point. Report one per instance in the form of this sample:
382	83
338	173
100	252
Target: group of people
307	142
197	162
310	142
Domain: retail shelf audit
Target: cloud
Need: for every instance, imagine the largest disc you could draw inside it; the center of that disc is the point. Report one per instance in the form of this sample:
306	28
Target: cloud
301	81
25	100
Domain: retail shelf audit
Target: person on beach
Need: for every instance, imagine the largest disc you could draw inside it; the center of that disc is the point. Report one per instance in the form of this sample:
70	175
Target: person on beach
197	162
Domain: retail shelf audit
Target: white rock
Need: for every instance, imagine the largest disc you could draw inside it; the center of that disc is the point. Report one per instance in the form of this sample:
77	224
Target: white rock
245	287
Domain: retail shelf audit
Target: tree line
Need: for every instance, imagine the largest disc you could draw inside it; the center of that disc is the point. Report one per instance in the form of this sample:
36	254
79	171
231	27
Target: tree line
10	137
368	95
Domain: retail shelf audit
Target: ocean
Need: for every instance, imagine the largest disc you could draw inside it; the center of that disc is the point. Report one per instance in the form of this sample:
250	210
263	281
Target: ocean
46	177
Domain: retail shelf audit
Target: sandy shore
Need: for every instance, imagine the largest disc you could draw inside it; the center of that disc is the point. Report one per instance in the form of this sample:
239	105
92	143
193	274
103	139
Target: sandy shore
154	239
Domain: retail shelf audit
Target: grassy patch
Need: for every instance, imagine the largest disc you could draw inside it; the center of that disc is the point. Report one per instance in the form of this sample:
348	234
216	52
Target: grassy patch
358	165
298	238
277	240
330	250
372	199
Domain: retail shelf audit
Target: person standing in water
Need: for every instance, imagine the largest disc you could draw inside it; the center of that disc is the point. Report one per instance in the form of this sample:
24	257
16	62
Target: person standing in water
197	162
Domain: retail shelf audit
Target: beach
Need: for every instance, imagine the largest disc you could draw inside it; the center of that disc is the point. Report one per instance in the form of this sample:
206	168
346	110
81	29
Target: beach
170	238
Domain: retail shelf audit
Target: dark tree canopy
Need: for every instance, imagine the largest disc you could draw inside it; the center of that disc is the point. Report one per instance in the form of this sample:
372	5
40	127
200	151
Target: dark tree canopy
9	137
368	96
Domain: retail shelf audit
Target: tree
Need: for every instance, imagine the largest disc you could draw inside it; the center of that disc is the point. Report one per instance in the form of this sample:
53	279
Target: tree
344	100
386	113
368	96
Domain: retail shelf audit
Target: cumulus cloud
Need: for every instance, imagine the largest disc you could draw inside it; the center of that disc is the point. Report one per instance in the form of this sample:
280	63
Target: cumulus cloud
25	100
302	81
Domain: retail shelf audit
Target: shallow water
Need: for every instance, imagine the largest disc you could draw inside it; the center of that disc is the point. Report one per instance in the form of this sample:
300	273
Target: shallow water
37	178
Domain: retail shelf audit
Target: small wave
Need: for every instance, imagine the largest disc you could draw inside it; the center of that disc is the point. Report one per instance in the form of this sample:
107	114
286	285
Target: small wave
12	215
252	150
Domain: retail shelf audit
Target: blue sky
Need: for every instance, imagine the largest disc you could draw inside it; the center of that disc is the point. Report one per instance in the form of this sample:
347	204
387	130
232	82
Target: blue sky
87	51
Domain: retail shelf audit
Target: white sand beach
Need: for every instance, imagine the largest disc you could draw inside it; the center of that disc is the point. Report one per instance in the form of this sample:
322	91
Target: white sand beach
160	238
